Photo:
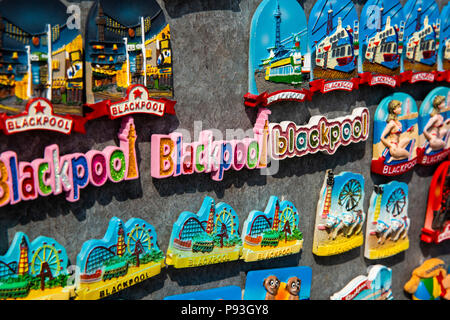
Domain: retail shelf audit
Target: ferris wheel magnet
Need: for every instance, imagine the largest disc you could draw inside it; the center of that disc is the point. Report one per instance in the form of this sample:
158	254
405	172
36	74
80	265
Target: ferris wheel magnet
339	215
211	236
387	222
272	233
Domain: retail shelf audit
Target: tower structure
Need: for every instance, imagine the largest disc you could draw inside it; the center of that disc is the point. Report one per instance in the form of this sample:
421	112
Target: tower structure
132	167
101	23
120	241
210	224
276	217
330	22
327	202
277	16
23	259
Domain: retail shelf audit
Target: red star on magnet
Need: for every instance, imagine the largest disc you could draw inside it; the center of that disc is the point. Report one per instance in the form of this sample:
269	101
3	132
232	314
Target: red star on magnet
137	94
39	108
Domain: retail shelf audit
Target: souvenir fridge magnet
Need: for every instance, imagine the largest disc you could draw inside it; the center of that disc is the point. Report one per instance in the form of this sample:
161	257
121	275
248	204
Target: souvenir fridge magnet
293	283
223	293
387	222
395	135
35	271
434	127
430	281
128	59
421	38
375	286
382	28
272	233
208	237
333	30
444	48
437	219
41	68
339	215
279	56
127	255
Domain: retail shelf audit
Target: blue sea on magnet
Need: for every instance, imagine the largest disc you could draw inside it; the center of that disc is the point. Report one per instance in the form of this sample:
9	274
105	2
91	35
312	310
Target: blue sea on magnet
444	47
223	293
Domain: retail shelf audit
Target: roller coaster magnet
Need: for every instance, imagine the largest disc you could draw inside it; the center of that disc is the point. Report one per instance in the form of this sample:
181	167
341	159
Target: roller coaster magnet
434	127
395	135
422	41
41	58
333	31
211	236
387	222
382	27
127	255
272	233
375	286
35	271
279	55
293	283
127	43
437	219
429	281
339	215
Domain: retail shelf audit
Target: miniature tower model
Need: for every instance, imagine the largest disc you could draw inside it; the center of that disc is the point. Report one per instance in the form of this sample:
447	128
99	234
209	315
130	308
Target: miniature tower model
132	169
276	217
120	241
277	16
376	214
210	224
327	202
263	160
23	260
101	22
330	22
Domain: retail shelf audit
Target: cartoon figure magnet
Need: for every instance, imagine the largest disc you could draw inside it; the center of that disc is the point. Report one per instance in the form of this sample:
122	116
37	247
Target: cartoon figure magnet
340	215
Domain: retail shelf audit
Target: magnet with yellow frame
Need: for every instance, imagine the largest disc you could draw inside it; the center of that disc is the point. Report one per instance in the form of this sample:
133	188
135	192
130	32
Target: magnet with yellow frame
127	255
35	271
434	127
395	135
208	237
339	215
387	221
430	281
272	233
293	283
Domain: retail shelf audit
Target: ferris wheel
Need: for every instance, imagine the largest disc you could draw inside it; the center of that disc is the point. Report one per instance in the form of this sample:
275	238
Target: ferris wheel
396	202
45	255
226	218
288	216
350	195
139	236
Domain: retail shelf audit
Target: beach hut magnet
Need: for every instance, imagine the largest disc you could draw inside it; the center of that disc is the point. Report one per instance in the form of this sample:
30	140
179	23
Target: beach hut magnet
395	135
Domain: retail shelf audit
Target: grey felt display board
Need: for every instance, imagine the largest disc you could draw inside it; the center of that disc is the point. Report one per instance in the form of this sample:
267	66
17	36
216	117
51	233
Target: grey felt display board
210	56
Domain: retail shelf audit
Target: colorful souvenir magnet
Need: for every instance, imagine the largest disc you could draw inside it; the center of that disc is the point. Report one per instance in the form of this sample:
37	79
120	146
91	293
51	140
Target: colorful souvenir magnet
375	286
53	174
430	281
333	30
382	27
40	57
272	233
127	43
395	135
444	48
279	56
287	139
437	219
127	255
421	38
387	222
35	271
223	293
208	237
339	216
434	127
292	283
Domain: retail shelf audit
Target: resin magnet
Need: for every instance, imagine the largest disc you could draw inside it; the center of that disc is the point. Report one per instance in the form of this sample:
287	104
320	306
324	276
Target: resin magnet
127	255
272	233
387	222
437	219
292	283
333	31
434	127
340	215
208	237
382	28
35	271
395	135
279	55
375	286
